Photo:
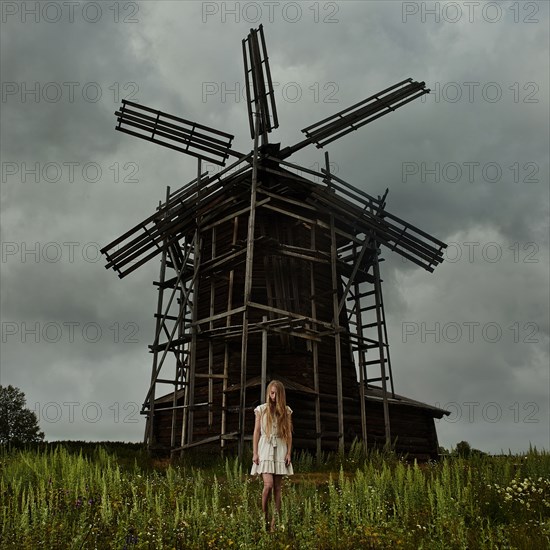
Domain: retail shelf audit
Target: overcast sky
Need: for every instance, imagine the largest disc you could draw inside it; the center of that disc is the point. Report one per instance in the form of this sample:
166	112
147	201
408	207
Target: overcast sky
468	164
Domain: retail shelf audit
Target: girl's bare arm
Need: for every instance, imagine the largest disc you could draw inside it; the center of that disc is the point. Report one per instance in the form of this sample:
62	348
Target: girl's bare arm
289	450
256	439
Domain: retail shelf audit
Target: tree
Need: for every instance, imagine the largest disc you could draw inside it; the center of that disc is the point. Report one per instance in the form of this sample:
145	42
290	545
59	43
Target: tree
463	449
18	425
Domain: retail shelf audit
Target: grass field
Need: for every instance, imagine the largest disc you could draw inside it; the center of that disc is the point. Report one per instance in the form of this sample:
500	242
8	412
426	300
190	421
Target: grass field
108	496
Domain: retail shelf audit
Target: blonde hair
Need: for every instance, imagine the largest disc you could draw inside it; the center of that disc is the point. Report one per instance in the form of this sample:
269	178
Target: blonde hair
278	412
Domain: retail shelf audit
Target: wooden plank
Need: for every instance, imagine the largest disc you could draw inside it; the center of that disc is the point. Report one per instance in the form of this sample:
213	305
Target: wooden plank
288	313
247	288
315	351
336	323
222	315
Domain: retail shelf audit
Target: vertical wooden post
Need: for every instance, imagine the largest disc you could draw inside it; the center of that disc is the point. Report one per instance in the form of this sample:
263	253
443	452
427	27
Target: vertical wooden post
175	411
315	351
190	394
210	341
182	362
377	294
360	360
388	358
337	343
149	425
226	348
263	377
180	375
247	291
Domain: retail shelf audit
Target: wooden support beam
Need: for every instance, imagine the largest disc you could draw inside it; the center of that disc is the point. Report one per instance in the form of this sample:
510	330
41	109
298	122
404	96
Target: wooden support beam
149	427
263	367
297	334
361	365
315	350
210	342
378	297
286	313
247	290
170	339
223	315
187	424
366	246
336	324
229	308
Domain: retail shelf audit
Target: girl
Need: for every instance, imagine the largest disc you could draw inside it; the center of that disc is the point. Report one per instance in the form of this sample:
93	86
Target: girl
272	444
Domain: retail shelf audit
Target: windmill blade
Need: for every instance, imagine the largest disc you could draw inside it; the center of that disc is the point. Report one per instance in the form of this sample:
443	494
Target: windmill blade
173	219
352	205
175	133
352	118
257	75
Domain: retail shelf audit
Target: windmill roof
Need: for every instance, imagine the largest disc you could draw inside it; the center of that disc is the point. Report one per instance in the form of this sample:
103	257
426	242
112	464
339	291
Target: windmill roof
375	393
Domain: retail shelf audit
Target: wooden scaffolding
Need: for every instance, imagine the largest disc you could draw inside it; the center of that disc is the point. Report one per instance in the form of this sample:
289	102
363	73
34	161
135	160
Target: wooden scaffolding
265	275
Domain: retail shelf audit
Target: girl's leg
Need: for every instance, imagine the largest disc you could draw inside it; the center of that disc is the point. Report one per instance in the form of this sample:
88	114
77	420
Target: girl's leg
277	493
266	495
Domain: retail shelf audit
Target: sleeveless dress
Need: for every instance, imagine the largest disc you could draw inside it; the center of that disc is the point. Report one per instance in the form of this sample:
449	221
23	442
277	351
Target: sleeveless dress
271	449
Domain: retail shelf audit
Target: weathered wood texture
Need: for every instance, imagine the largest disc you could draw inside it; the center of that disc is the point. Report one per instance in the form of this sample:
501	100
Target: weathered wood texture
266	274
292	247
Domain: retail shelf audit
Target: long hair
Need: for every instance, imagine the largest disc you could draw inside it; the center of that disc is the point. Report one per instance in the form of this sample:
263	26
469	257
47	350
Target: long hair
278	412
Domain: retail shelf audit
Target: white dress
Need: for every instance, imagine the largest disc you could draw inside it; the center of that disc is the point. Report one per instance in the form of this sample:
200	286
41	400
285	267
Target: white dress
271	449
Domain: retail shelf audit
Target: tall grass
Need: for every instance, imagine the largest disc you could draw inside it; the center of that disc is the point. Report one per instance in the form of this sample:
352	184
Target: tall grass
55	498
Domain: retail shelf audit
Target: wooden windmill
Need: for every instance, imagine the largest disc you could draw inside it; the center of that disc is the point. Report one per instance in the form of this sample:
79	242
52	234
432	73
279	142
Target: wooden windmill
265	274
